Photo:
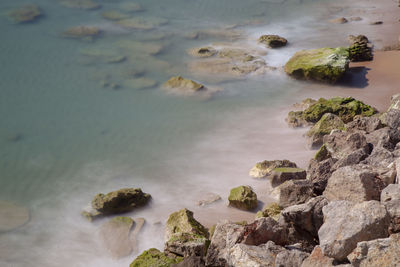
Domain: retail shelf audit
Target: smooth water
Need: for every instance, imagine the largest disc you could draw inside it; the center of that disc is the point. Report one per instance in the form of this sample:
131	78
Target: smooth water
65	137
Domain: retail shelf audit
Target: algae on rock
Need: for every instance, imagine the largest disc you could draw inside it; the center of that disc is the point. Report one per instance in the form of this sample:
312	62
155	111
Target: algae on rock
154	258
183	222
264	168
243	197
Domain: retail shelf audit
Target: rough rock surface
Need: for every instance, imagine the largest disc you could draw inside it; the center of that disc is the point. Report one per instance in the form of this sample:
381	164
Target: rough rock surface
243	197
319	173
263	230
180	83
342	146
153	257
391	192
272	41
281	175
290	258
264	168
272	210
367	124
183	222
187	244
346	224
324	126
318	259
360	49
295	192
323	64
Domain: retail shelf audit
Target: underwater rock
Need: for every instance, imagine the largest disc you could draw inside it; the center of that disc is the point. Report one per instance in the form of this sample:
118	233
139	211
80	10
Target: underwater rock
228	34
142	23
272	41
137	47
209	199
12	216
140	83
264	168
80	4
82	32
183	84
153	257
202	52
323	64
102	55
131	6
26	13
243	197
114	15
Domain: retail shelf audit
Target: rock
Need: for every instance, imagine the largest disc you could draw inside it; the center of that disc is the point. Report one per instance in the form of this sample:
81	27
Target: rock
392	118
115	236
272	41
339	20
384	137
306	217
114	15
391	192
82	32
129	6
323	64
243	197
295	119
295	192
203	52
183	84
142	23
381	157
281	175
262	230
120	201
322	154
80	4
183	222
254	256
225	236
272	210
355	183
26	13
375	253
187	244
324	126
393	209
290	257
366	124
318	259
133	47
12	216
394	102
209	199
319	173
360	49
264	168
346	224
140	83
305	103
213	33
376	22
101	56
350	148
344	107
153	257
192	261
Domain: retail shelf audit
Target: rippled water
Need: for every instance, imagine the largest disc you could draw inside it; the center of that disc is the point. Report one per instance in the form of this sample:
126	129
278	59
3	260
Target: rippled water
64	136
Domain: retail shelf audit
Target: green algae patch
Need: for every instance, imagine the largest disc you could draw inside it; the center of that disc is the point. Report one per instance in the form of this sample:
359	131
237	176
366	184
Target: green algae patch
183	222
322	154
243	197
272	210
288	170
326	124
154	258
264	168
323	64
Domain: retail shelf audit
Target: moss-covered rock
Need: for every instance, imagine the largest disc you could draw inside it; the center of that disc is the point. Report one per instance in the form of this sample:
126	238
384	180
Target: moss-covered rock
360	49
322	154
187	244
243	197
25	14
323	64
183	222
154	258
272	41
281	175
324	126
344	107
264	168
183	86
119	201
272	210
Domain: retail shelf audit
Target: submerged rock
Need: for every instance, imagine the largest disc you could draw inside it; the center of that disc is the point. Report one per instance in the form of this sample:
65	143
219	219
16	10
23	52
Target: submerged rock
272	41
186	87
153	257
264	168
142	23
80	4
183	222
203	52
339	20
114	15
243	197
209	199
82	32
140	83
115	236
26	13
323	64
12	216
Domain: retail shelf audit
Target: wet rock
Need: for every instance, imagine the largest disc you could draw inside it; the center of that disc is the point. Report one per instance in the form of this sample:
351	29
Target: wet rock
272	210
306	217
203	52
379	252
346	224
140	83
283	174
319	173
272	41
209	199
132	47
142	23
120	201
115	236
355	183
262	230
324	126
183	222
295	192
243	197
154	257
367	124
305	103
12	216
360	49
82	32
26	13
264	168
295	119
139	222
228	34
80	4
114	15
187	244
183	84
323	64
339	20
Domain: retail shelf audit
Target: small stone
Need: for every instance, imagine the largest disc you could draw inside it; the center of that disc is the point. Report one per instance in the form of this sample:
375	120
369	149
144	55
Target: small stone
243	197
264	168
339	20
272	41
26	13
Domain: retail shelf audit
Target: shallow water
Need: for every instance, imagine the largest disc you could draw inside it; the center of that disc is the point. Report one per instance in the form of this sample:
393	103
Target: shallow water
65	137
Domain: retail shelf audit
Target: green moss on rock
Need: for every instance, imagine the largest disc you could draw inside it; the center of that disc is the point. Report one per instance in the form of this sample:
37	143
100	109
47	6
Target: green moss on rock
264	168
154	258
272	41
322	154
243	197
323	64
272	210
183	222
324	126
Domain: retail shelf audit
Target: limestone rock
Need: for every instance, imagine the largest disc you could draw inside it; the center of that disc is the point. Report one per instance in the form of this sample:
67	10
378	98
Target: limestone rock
26	13
290	258
119	201
384	137
153	257
183	222
115	236
323	64
347	223
264	168
324	126
243	197
319	173
263	230
322	154
192	261
344	146
12	216
272	41
209	199
295	192
393	209
187	244
391	192
283	174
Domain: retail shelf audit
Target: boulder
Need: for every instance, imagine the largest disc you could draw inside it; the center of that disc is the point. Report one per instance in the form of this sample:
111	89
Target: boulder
344	146
306	217
183	222
281	175
295	119
263	230
80	4
153	257
290	258
318	259
367	124
391	192
82	32
243	197
120	201
225	236
360	49
295	192
376	253
324	126
384	137
347	223
355	183
264	168
272	41
323	64
187	245
272	210
319	173
26	13
12	216
115	235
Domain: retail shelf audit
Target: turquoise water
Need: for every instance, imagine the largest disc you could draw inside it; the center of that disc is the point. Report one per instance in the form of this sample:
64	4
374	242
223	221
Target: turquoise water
65	137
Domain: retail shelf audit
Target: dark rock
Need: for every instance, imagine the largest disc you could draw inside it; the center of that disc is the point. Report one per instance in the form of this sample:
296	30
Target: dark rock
281	175
272	41
360	49
295	192
263	230
319	173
